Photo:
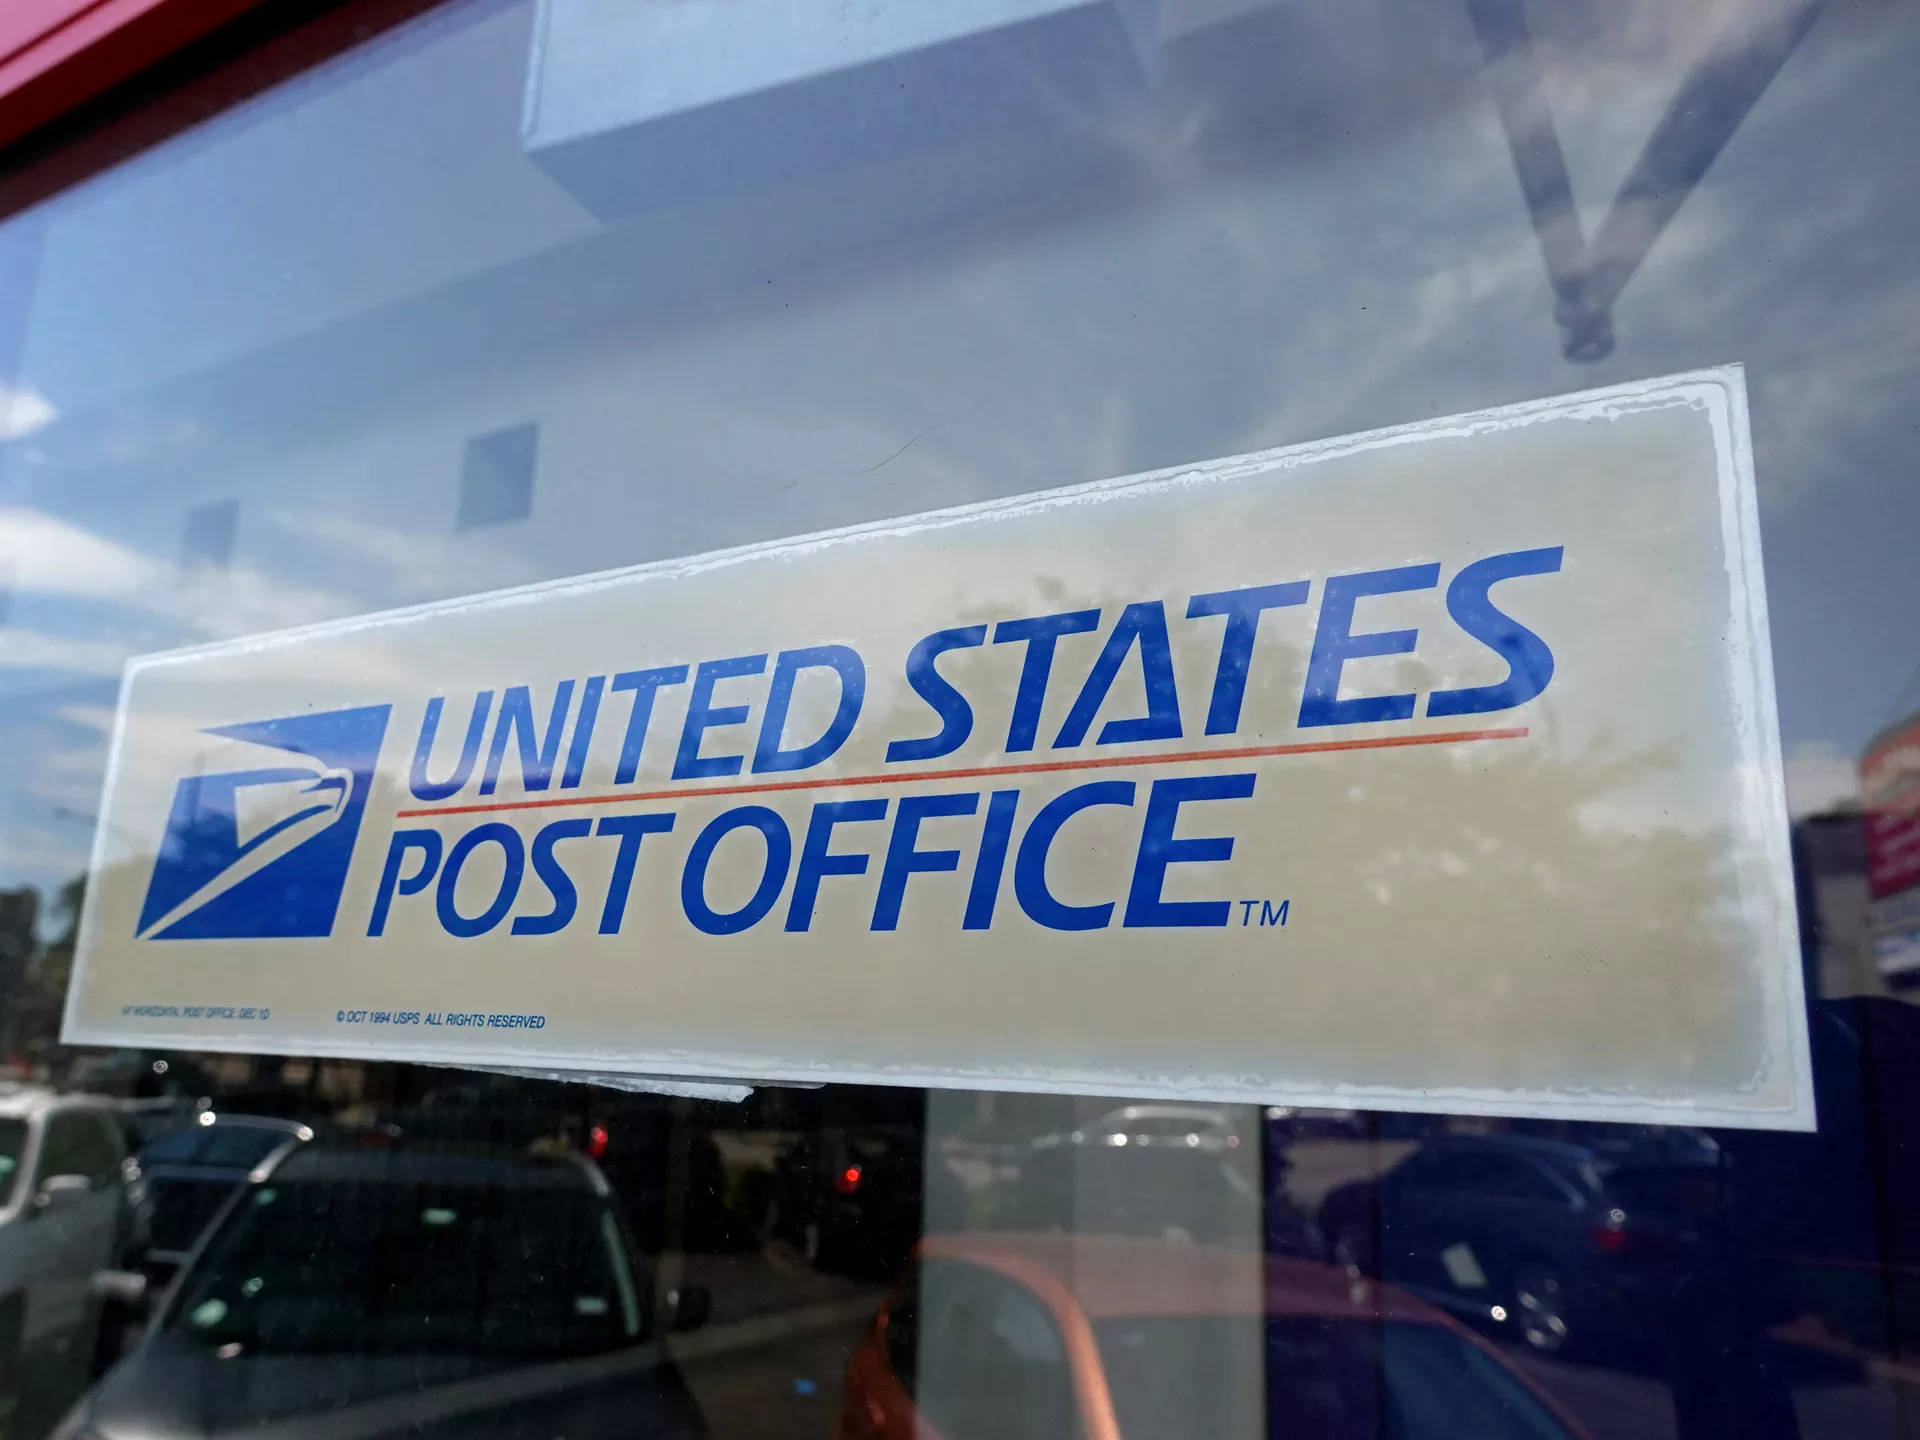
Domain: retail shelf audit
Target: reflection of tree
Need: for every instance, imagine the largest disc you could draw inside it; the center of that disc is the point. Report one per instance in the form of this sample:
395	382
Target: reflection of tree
1552	944
56	958
33	974
19	911
1553	912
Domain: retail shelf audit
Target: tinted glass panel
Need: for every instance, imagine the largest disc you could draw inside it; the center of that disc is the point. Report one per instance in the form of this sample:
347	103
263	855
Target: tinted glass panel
489	295
79	1144
13	1145
179	1148
239	1146
1336	1379
364	1263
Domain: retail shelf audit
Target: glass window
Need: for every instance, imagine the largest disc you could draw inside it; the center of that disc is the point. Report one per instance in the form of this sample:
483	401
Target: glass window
1518	1180
1482	1173
78	1142
489	294
1528	1183
182	1147
13	1148
223	1144
1462	1173
239	1147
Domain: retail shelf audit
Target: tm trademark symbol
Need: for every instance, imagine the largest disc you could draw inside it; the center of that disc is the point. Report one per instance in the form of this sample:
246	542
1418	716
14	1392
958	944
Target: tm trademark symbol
1270	912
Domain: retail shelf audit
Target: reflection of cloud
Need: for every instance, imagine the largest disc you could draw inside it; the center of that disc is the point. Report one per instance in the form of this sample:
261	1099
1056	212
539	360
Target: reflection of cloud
418	565
88	717
51	556
42	855
67	783
246	601
382	543
36	650
1820	778
23	411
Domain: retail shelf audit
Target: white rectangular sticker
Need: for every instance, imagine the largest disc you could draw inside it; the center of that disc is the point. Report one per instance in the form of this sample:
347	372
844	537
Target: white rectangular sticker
1431	769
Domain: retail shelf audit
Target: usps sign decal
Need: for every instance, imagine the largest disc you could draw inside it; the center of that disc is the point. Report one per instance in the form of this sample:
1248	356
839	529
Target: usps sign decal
1434	768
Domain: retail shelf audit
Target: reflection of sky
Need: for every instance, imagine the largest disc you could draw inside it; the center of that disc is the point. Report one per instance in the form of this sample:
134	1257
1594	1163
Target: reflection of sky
1306	225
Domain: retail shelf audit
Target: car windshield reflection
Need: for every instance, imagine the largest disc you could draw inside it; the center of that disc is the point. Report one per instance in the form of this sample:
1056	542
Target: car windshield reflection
378	1252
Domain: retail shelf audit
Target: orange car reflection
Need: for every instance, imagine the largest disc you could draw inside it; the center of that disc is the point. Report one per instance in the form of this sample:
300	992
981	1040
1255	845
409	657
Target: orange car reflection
1032	1337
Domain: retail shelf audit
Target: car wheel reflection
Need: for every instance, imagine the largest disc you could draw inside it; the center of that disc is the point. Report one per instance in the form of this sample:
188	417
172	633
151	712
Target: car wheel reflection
1540	1309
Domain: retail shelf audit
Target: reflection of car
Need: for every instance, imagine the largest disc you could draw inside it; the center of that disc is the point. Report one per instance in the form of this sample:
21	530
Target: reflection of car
154	1093
1162	1193
186	1175
1149	1126
629	1137
63	1215
1552	1238
396	1290
851	1197
498	1110
1020	1337
1295	1122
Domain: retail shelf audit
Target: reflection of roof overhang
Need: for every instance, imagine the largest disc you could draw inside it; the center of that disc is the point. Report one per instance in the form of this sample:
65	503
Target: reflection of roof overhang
1711	102
642	108
56	54
132	73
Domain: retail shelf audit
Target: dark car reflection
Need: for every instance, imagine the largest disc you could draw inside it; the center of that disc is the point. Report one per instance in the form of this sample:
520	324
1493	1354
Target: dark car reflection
1563	1243
155	1093
850	1197
627	1137
463	1276
184	1177
400	1290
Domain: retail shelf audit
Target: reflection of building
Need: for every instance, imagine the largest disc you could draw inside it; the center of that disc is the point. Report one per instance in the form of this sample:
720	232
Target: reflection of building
1860	876
1830	854
1890	789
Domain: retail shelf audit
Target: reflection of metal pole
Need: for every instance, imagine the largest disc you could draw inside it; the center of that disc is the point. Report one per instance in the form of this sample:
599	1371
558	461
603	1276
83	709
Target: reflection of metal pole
1520	94
1705	111
1709	106
670	1266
